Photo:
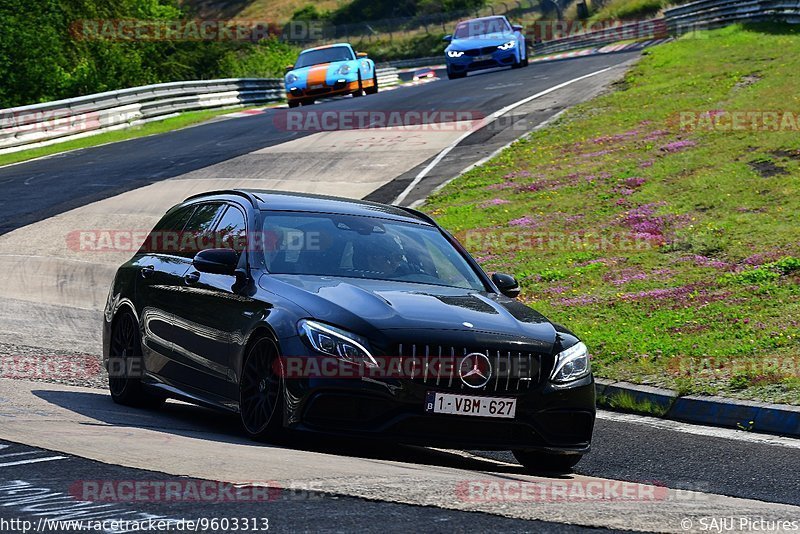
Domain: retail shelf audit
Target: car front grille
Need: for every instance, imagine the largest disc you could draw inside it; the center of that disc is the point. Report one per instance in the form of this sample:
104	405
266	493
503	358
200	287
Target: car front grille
320	91
437	365
481	51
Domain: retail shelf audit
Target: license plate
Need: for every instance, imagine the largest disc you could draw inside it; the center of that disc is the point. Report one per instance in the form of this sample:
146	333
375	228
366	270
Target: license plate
483	58
470	405
317	86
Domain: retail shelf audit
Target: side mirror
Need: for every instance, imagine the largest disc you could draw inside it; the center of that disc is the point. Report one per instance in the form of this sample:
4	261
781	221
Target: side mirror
361	54
507	284
288	68
216	261
447	38
517	28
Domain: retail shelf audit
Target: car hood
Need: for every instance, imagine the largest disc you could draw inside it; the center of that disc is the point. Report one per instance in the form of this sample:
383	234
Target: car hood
320	66
491	39
367	305
322	73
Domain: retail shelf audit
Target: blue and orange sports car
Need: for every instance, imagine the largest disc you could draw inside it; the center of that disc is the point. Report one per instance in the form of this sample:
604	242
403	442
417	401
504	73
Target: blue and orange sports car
484	43
329	70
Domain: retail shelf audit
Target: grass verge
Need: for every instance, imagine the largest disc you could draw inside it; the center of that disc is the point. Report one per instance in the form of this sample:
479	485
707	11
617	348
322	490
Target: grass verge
156	127
673	251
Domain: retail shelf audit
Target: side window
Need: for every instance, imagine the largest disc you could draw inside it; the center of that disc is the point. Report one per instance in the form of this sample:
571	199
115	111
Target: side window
165	235
231	230
198	234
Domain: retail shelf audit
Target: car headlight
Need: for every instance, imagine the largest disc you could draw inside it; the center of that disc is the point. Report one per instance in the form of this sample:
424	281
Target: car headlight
455	53
291	78
508	46
344	69
336	342
571	364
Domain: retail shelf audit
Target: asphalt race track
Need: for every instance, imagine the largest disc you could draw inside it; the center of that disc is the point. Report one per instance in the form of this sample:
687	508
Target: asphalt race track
57	440
40	189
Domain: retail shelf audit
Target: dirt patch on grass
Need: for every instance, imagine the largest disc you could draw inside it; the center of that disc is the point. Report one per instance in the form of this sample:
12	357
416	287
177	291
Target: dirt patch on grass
748	80
789	154
766	168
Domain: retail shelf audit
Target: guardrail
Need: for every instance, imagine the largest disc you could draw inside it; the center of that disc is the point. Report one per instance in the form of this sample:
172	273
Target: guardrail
639	30
64	120
387	76
708	14
700	15
418	62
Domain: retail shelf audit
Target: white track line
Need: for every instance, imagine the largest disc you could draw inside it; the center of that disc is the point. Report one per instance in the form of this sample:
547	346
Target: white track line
33	461
491	118
480	162
11	455
700	430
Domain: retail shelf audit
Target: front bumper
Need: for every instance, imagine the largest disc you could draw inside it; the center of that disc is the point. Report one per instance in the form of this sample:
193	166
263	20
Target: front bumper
548	417
322	90
465	63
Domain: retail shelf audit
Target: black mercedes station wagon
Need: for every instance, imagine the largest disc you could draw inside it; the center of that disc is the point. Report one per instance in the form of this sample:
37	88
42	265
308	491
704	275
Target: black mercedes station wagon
342	317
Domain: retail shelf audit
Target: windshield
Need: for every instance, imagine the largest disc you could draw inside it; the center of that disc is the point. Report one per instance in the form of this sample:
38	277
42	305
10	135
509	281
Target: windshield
363	247
478	27
324	55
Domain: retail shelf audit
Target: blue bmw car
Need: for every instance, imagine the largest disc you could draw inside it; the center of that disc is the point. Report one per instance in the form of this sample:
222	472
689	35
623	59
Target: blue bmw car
484	43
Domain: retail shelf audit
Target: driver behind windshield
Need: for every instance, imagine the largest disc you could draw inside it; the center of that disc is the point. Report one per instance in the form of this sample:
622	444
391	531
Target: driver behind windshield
385	256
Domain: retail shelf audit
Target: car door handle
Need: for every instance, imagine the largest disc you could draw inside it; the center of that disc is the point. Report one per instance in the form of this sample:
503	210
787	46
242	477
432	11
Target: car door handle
147	270
192	278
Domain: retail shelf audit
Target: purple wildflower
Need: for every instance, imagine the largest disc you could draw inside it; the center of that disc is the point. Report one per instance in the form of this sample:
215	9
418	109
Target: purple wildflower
495	202
597	154
522	221
704	261
677	146
535	186
644	223
634	182
583	300
499	187
656	134
556	290
517	174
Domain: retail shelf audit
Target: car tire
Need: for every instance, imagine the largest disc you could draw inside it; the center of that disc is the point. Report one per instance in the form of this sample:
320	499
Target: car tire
539	462
525	61
517	62
360	91
125	362
455	75
374	89
294	103
261	390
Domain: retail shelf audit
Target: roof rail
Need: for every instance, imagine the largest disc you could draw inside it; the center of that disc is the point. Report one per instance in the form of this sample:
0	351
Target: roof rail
238	192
